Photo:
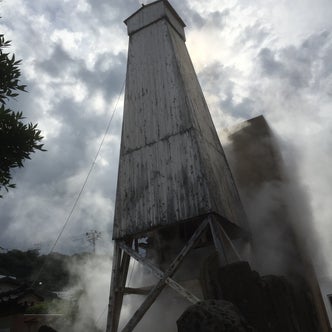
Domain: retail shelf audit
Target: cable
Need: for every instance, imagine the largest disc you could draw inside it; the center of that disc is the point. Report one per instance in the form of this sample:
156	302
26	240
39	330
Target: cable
89	172
131	273
101	315
83	186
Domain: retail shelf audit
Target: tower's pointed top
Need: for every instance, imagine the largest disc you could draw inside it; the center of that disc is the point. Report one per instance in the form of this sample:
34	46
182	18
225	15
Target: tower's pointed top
153	12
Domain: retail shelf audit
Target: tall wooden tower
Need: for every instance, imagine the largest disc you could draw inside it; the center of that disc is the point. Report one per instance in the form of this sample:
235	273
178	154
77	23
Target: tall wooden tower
173	174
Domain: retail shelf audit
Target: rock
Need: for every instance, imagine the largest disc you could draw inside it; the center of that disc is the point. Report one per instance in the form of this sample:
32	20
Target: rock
268	303
45	328
212	316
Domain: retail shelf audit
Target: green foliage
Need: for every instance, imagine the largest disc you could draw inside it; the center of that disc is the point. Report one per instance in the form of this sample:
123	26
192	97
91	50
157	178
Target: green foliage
55	274
18	139
9	73
26	265
18	263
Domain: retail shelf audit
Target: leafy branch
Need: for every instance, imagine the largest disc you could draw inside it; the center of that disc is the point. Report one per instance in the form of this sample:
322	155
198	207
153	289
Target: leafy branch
18	139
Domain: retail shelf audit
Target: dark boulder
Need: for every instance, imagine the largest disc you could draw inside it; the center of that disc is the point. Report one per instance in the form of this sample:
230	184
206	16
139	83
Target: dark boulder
268	303
45	328
212	316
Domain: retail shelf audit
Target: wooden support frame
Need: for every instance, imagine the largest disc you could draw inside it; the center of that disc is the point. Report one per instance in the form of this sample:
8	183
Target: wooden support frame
153	294
123	251
122	254
159	274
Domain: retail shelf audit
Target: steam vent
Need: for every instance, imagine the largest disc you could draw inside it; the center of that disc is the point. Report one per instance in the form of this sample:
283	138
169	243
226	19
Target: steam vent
178	210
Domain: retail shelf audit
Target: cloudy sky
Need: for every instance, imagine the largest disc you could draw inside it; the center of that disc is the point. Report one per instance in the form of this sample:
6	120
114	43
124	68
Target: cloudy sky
252	57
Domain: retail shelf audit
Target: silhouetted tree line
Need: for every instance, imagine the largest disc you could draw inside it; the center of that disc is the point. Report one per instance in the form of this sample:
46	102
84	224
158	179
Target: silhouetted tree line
49	272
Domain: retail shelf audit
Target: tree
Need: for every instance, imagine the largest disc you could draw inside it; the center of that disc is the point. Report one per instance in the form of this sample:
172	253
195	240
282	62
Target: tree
17	138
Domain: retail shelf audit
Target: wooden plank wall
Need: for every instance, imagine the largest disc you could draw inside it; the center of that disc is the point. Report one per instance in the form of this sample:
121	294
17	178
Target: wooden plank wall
172	166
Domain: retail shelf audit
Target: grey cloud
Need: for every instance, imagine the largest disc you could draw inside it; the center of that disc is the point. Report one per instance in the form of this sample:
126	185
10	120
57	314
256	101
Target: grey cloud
108	12
239	110
68	150
218	19
255	34
196	20
217	80
298	65
73	147
297	77
59	62
108	74
269	63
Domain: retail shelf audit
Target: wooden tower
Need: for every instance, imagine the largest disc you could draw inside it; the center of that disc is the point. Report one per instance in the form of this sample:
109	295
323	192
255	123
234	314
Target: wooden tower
173	173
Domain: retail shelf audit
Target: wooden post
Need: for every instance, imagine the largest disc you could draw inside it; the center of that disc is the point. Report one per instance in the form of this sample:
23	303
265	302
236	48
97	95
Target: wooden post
121	286
118	283
111	319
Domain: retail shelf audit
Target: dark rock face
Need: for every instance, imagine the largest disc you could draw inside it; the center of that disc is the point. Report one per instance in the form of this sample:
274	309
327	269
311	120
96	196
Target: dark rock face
268	303
212	316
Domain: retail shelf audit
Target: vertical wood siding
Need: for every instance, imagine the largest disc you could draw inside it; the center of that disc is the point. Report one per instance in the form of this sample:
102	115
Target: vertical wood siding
172	166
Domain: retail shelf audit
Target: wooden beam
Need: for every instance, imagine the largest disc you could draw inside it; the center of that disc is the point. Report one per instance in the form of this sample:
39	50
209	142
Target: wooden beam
111	317
120	289
229	242
160	274
137	291
119	276
218	241
162	282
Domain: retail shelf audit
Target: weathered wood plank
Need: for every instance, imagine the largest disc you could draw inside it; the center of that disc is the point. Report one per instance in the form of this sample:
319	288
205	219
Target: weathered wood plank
172	166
